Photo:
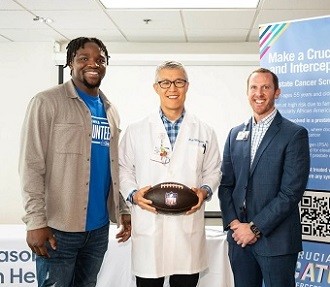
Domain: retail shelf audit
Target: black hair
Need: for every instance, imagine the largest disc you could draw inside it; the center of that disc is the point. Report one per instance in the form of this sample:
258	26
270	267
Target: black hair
80	42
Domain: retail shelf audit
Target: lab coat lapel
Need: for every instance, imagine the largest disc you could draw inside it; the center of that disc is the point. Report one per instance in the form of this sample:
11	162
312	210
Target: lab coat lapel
185	132
160	146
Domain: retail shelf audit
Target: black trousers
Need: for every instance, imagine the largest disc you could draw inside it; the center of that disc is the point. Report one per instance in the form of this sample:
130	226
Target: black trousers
179	280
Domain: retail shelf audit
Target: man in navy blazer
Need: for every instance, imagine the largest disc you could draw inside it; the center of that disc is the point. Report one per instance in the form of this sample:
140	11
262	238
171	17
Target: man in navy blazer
265	170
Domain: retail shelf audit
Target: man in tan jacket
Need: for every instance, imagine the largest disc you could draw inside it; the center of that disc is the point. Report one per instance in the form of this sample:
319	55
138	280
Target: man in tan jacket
69	172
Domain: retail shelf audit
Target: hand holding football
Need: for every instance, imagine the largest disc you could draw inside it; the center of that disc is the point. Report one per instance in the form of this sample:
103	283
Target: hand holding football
171	197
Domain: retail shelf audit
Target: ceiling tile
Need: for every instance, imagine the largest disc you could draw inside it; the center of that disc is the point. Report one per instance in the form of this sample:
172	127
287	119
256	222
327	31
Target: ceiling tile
296	4
269	16
254	35
156	36
32	35
134	19
59	5
105	35
79	20
75	18
219	19
216	36
19	20
9	5
4	39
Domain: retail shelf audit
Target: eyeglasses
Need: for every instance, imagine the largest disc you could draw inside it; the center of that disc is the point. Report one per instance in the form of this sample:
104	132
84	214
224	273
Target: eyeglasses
166	84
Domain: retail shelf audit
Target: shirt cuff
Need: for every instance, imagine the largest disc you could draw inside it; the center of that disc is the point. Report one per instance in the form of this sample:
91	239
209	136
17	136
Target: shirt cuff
130	196
208	191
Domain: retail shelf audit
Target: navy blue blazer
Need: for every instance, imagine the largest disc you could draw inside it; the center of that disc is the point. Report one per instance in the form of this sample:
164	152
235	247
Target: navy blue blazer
268	192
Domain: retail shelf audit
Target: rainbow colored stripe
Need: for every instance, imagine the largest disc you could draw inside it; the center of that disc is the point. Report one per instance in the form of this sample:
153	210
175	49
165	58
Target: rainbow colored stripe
268	35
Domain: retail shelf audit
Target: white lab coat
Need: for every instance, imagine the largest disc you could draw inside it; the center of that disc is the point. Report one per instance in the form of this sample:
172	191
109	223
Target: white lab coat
163	245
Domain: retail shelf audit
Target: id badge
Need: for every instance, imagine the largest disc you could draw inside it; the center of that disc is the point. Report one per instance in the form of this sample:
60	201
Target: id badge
242	135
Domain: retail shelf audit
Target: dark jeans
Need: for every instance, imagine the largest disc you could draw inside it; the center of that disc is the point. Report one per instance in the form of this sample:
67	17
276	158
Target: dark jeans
184	280
76	261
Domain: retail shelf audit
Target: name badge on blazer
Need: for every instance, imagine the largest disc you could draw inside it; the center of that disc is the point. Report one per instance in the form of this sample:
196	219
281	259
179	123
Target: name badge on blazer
243	135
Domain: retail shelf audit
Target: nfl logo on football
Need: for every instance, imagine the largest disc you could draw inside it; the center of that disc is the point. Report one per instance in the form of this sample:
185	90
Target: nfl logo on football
170	198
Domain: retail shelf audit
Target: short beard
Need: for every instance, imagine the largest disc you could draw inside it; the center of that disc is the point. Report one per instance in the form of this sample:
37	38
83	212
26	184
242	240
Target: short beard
89	86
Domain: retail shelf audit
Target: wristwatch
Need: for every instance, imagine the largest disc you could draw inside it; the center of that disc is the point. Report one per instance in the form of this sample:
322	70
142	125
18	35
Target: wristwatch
255	229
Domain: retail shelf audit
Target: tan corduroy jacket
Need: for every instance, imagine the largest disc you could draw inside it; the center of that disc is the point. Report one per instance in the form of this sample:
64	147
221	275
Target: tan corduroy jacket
54	163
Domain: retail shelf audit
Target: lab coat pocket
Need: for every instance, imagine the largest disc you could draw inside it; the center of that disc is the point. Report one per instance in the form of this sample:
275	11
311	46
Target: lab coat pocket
195	155
143	221
193	222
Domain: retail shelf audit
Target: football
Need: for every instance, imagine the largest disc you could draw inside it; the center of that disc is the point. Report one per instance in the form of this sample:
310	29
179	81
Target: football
171	197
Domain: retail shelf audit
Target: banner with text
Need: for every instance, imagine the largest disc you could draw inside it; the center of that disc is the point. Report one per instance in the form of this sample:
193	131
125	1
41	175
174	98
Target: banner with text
299	53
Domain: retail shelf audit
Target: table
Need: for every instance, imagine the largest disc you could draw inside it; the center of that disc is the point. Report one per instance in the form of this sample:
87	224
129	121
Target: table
17	262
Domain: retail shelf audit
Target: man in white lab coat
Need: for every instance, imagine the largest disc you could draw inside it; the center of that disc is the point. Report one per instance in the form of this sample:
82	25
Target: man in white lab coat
169	145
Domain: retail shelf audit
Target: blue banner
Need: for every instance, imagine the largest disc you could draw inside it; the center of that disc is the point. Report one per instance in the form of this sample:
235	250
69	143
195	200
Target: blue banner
313	265
299	53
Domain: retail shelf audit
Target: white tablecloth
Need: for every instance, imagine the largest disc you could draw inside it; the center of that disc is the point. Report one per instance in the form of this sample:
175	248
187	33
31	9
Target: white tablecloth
17	266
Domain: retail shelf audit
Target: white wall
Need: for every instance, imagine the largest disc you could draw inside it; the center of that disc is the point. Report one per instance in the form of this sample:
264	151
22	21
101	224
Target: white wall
24	70
216	95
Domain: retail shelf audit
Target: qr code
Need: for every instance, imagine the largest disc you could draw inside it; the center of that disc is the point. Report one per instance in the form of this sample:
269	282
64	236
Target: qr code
315	216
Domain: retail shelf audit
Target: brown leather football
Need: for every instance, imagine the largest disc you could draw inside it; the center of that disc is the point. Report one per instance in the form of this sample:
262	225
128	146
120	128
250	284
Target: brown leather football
171	197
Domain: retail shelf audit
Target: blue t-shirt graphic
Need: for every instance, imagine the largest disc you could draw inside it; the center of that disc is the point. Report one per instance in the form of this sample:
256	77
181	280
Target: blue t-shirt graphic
100	179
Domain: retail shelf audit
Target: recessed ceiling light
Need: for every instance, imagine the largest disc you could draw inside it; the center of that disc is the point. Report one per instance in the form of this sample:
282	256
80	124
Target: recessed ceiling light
176	4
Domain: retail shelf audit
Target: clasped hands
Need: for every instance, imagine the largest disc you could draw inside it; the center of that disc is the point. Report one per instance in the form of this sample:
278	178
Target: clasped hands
242	233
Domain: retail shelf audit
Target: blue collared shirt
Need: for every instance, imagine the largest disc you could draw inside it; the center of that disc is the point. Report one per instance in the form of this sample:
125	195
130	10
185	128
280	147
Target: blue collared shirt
172	127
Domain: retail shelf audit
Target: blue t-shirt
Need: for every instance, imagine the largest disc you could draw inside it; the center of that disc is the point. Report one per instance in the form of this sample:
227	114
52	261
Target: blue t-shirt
100	176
